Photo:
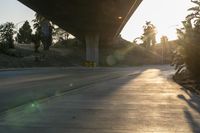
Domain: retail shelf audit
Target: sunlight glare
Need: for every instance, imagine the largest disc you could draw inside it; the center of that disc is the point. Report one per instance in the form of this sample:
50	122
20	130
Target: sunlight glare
166	15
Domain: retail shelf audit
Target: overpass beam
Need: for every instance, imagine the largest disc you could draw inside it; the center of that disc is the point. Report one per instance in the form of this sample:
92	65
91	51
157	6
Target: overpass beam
92	47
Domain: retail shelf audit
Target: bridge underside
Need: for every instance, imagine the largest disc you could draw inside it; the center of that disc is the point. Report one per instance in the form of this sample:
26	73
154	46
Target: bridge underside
88	20
105	17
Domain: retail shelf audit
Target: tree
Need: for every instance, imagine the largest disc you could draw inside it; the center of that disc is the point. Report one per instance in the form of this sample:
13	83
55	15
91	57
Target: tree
36	40
60	34
44	29
195	12
38	22
25	32
149	35
189	41
6	34
165	48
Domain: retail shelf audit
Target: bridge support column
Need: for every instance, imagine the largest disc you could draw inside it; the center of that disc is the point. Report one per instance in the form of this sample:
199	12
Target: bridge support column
92	48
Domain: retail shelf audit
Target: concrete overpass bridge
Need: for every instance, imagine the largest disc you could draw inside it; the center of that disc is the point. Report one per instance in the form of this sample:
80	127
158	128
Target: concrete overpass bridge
93	21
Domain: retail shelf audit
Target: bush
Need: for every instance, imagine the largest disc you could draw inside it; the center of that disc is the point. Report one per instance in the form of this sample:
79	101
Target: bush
192	58
70	44
89	64
3	47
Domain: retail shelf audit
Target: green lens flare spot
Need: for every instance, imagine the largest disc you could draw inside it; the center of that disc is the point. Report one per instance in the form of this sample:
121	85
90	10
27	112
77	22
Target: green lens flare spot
32	105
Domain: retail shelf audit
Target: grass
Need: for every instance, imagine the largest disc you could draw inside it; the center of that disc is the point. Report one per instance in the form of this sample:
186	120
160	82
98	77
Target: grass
72	53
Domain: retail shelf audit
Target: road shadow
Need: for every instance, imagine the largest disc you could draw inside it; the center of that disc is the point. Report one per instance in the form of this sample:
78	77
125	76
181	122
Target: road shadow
193	101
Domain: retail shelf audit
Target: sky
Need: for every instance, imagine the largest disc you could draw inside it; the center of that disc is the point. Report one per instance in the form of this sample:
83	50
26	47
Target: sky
14	11
166	15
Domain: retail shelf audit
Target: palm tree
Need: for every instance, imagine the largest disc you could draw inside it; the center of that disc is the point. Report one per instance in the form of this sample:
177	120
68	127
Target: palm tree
149	35
189	40
195	11
44	30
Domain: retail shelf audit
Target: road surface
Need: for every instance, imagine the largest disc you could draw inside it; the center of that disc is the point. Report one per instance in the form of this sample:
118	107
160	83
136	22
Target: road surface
102	100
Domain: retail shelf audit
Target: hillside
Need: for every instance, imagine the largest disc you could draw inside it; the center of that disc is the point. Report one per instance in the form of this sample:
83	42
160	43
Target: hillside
71	53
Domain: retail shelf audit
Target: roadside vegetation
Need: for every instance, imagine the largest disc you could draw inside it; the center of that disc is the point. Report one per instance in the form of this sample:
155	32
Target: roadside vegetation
6	39
187	56
32	47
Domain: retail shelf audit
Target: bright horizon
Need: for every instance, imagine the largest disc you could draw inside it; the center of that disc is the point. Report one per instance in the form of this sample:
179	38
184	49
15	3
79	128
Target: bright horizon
166	15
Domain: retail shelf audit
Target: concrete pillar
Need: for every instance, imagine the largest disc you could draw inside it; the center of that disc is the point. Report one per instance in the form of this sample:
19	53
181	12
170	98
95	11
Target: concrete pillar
92	47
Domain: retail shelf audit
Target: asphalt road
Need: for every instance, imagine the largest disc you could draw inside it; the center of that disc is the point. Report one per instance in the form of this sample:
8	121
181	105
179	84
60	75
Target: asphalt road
101	100
21	86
